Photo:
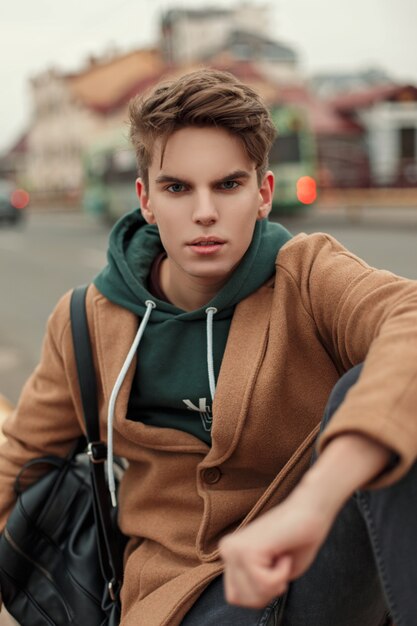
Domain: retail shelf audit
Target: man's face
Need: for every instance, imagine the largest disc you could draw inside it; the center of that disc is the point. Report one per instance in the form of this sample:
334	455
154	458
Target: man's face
205	200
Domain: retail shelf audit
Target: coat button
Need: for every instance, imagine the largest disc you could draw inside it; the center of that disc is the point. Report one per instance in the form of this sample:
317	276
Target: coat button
212	475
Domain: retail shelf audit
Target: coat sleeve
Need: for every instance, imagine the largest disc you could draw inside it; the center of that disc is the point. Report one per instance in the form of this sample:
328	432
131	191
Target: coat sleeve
45	420
363	314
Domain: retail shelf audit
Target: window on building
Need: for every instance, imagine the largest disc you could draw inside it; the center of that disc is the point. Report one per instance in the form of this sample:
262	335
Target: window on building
408	143
286	149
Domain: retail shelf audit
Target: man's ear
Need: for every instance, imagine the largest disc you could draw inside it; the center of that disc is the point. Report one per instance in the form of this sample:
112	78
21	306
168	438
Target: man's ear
145	204
266	193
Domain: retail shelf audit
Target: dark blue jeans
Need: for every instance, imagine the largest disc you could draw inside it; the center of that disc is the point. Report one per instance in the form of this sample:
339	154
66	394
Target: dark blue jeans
365	570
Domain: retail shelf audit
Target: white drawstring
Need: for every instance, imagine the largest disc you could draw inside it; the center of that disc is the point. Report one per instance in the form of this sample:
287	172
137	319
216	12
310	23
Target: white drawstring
110	416
210	311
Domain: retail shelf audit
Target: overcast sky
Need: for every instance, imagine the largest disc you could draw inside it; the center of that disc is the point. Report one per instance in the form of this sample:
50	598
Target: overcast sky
328	35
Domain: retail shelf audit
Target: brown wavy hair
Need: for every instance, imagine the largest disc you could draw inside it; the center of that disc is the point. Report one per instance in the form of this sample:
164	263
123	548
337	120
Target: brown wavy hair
202	98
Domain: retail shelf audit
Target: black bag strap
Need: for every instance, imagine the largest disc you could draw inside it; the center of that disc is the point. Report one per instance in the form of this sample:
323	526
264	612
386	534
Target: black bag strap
84	360
108	543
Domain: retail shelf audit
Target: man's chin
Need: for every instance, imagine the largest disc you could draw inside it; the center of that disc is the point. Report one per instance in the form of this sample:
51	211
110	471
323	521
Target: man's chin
211	275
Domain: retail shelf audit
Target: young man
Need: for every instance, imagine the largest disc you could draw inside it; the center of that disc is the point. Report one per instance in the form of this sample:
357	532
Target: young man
244	331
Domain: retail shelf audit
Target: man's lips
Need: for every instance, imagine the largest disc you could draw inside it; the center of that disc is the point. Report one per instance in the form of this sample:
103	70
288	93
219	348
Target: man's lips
206	241
206	245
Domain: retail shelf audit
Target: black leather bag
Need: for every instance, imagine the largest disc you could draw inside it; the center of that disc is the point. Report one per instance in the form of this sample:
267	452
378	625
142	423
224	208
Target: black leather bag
61	550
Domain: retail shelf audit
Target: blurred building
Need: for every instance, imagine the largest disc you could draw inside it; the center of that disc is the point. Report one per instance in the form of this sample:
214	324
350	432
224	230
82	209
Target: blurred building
70	111
341	155
388	116
328	85
13	161
342	159
57	131
192	35
363	137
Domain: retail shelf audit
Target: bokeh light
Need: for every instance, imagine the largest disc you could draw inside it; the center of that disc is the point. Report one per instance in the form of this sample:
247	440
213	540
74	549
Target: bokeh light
306	190
20	198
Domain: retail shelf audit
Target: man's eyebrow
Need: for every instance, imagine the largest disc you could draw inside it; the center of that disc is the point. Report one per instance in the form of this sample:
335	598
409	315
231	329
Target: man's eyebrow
167	178
236	174
232	176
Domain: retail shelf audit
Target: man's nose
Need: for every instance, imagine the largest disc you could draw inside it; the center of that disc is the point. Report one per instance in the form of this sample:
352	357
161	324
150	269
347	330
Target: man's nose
205	210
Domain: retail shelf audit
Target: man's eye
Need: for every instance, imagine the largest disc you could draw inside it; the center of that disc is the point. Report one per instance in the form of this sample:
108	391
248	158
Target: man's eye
176	188
229	184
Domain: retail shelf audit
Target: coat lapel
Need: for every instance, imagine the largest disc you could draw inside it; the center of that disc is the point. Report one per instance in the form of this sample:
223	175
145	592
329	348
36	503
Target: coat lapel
116	328
245	349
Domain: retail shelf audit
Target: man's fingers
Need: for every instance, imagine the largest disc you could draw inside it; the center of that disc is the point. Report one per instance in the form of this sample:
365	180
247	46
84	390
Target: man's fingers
255	586
282	566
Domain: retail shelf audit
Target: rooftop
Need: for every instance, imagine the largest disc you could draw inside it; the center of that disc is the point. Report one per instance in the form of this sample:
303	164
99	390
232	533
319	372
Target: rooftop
369	97
103	85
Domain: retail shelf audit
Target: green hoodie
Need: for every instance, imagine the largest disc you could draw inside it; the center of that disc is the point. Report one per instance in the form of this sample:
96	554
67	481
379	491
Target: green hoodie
171	384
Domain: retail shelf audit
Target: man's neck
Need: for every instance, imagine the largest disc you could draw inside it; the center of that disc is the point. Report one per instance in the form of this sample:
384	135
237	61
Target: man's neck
186	292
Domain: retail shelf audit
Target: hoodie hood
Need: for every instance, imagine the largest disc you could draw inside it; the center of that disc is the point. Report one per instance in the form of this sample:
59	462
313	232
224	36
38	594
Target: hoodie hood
134	244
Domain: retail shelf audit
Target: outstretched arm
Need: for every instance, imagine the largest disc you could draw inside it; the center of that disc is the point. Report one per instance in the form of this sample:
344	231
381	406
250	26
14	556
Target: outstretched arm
261	559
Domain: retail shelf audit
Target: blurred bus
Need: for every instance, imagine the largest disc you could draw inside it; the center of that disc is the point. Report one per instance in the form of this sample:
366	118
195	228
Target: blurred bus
110	169
293	161
110	172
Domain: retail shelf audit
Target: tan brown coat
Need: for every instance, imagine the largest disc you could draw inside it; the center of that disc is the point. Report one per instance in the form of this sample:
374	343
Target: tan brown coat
324	311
